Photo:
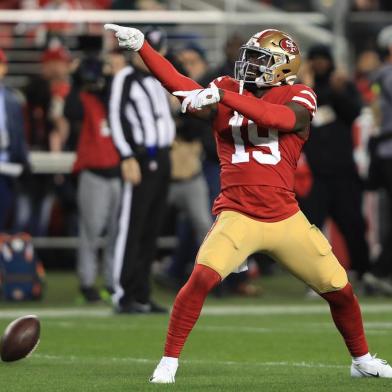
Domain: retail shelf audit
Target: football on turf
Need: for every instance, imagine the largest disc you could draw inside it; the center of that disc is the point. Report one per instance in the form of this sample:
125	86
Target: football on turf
20	338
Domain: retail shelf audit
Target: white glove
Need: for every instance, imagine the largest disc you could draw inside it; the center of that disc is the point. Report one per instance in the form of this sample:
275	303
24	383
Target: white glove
128	37
190	97
197	99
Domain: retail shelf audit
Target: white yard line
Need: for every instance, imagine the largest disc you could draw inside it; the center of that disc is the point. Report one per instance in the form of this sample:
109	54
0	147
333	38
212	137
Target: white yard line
64	358
368	324
286	309
371	328
246	310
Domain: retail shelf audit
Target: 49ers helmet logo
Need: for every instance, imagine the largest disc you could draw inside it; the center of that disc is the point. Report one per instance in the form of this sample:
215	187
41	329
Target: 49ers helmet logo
289	46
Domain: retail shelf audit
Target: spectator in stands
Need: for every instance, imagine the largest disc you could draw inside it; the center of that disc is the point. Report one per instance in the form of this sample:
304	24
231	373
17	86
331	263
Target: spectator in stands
367	63
143	131
138	5
9	4
47	131
13	151
98	168
362	32
231	48
60	28
381	166
366	5
59	4
45	96
96	4
292	6
336	190
41	33
75	4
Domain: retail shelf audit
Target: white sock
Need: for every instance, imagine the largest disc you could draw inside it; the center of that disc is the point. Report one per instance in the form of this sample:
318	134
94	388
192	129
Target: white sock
169	361
362	358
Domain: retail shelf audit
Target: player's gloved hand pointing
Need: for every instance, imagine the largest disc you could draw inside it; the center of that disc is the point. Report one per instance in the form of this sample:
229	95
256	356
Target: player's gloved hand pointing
197	99
128	37
190	97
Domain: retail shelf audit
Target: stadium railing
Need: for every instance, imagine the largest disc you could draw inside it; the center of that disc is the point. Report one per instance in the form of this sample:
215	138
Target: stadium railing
61	163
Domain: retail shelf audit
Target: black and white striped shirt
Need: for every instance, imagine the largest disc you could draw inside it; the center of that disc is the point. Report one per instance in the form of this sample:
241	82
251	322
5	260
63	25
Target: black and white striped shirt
139	113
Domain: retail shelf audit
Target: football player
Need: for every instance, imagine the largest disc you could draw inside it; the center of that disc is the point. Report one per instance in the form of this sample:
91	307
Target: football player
261	121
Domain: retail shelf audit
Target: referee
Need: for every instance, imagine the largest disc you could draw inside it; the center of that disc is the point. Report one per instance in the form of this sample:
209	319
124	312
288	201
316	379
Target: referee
143	131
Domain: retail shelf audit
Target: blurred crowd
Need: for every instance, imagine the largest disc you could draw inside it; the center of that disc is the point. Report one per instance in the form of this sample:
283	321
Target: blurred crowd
288	5
83	4
317	5
75	104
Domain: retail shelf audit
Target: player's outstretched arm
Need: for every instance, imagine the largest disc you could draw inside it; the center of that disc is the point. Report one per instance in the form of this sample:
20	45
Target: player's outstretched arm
290	117
161	68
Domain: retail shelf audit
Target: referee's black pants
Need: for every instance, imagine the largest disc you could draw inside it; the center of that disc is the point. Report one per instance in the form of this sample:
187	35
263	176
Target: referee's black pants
141	218
340	198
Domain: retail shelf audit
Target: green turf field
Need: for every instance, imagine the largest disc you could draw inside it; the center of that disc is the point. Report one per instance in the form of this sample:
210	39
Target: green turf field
280	342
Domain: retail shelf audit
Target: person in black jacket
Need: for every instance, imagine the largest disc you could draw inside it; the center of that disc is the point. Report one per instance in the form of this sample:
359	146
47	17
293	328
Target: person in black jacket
336	190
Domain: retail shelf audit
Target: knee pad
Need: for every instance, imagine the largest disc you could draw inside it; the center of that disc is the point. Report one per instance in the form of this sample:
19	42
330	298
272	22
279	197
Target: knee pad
336	281
223	248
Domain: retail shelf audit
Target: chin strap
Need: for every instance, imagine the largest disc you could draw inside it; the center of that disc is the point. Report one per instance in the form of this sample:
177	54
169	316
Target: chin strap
241	89
236	114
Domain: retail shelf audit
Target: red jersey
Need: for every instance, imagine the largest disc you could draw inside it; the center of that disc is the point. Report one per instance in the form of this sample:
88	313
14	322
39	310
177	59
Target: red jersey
258	164
95	148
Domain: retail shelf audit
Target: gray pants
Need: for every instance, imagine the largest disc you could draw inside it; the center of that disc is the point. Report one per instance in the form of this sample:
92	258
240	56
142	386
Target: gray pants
192	199
98	202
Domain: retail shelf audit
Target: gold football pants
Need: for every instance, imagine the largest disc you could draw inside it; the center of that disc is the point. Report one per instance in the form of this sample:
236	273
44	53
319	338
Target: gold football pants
293	242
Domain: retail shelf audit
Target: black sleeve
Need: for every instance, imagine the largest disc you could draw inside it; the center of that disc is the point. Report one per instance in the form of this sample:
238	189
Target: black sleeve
347	103
73	108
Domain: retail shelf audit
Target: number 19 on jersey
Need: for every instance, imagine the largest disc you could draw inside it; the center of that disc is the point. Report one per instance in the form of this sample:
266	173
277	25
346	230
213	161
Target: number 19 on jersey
271	141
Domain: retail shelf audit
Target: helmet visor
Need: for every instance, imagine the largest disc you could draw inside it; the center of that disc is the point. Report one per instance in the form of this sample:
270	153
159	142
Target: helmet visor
253	63
256	65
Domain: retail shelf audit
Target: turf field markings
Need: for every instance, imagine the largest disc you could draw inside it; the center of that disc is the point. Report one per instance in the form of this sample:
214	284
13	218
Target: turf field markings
56	313
376	332
379	324
372	328
208	328
102	325
293	329
285	309
233	310
72	358
213	328
368	324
